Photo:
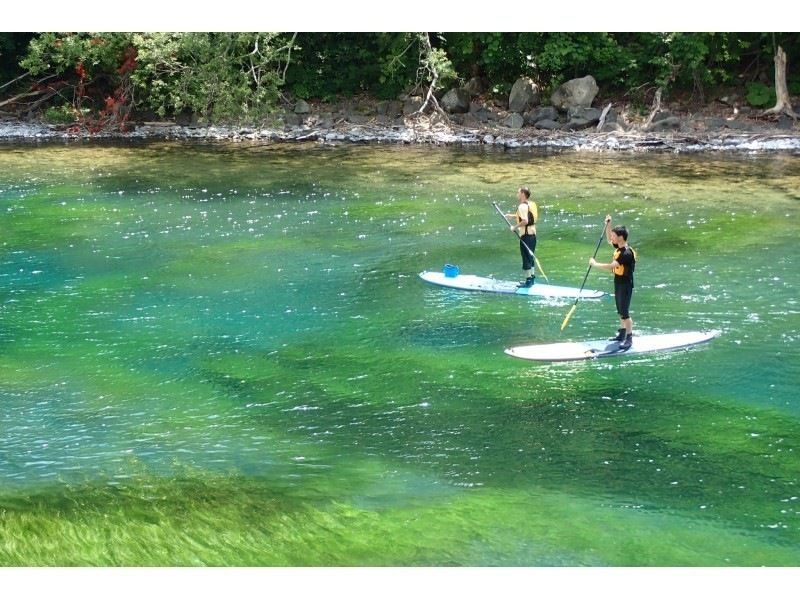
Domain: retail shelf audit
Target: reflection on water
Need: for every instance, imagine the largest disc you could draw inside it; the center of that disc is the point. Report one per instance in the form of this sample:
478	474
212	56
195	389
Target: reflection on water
254	314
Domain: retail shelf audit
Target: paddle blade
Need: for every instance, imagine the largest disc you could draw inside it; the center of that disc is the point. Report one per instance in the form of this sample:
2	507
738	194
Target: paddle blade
569	315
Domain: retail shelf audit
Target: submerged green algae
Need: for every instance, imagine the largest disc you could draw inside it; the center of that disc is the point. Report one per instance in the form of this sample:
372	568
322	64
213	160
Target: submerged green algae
217	356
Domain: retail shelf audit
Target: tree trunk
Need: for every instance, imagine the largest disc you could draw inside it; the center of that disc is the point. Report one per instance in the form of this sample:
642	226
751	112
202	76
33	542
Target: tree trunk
783	105
429	67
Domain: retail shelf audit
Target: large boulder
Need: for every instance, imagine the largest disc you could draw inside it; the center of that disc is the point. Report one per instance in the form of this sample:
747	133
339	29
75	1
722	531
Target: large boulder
524	95
302	107
456	101
582	118
574	93
546	113
591	114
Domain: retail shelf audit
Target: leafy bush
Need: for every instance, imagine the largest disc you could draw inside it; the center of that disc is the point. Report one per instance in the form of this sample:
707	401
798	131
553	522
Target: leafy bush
760	95
219	76
59	115
239	76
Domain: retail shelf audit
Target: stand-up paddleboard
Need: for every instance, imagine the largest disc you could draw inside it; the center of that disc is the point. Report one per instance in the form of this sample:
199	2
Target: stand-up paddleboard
470	282
648	343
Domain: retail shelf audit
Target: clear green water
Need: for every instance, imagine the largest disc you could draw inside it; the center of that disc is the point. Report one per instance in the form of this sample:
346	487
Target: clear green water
222	355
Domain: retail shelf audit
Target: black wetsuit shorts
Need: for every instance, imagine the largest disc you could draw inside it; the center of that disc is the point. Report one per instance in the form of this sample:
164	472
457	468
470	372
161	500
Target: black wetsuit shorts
623	292
527	258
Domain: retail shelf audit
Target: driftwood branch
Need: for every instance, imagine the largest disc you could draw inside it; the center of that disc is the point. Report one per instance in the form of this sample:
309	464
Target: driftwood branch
4	85
656	107
34	105
603	116
28	94
22	96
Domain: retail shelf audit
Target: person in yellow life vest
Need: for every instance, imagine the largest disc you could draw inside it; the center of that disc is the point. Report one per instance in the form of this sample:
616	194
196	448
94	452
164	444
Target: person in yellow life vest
622	265
526	217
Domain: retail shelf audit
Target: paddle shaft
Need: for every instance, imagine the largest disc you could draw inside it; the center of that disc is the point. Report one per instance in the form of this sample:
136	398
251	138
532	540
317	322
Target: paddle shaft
524	244
589	269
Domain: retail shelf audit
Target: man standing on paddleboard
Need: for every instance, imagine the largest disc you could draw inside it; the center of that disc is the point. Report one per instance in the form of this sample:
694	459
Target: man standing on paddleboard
622	265
527	215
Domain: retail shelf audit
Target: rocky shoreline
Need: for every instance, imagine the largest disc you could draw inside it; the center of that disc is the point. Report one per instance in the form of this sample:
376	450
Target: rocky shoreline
466	116
422	131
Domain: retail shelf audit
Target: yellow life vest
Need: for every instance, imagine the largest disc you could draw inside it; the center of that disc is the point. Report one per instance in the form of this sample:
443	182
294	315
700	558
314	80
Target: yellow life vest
620	269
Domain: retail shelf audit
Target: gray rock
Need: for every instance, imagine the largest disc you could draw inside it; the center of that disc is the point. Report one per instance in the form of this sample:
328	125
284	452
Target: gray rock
524	95
394	108
292	120
736	125
546	113
612	127
493	115
666	124
412	104
471	120
714	123
456	101
575	124
357	119
662	115
547	124
582	113
785	123
482	115
514	121
475	86
576	92
302	107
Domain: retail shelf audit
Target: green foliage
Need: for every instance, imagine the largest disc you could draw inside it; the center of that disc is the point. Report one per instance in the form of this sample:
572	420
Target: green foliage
436	60
327	65
760	95
218	76
793	83
59	54
238	76
60	115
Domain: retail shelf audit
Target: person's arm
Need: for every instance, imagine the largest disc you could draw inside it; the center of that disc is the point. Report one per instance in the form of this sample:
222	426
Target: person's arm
521	219
610	266
608	228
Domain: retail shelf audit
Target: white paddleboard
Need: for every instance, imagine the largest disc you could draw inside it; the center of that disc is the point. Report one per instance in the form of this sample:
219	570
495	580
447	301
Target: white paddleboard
647	343
470	282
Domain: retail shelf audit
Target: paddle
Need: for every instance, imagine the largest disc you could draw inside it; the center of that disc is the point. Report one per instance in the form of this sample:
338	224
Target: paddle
575	306
525	245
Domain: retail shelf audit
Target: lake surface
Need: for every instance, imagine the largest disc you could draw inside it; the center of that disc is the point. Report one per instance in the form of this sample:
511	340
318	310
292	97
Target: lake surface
223	355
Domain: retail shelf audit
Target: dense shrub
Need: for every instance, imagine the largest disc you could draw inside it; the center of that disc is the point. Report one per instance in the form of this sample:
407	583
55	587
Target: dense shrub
241	76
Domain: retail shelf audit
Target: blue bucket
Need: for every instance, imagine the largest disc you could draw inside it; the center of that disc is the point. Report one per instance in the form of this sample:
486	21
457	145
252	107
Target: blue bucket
450	271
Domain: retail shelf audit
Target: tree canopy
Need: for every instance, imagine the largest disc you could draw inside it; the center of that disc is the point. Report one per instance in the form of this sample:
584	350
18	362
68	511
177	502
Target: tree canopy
241	76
